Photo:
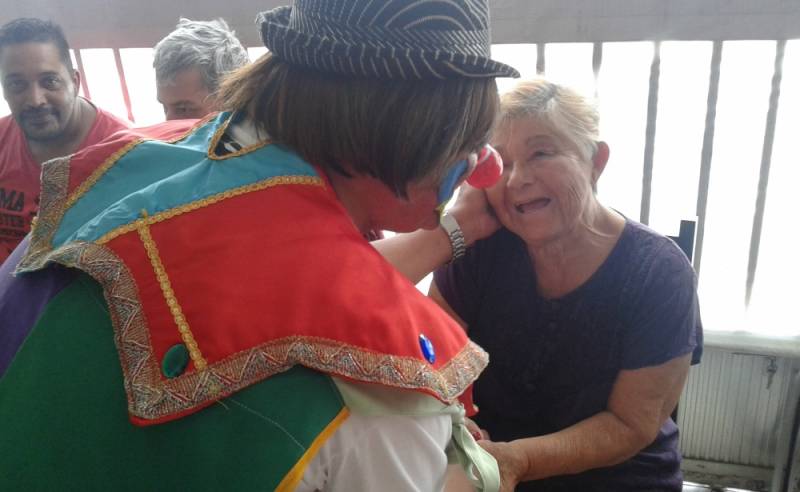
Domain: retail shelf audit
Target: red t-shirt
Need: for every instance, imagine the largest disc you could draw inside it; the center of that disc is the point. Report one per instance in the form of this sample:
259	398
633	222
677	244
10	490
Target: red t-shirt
20	176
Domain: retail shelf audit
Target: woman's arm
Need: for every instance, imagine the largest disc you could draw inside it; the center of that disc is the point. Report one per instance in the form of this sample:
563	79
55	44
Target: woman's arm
639	404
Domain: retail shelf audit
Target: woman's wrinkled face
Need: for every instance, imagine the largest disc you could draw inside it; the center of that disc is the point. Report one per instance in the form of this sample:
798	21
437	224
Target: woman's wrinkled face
546	185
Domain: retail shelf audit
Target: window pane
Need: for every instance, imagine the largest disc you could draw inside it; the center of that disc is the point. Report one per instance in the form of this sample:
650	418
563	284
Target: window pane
520	56
682	98
75	66
256	52
141	79
772	308
570	64
103	81
623	90
744	88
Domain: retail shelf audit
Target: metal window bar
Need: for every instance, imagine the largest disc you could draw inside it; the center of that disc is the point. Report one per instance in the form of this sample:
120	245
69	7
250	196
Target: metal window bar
84	82
597	62
540	49
123	84
766	161
706	154
650	134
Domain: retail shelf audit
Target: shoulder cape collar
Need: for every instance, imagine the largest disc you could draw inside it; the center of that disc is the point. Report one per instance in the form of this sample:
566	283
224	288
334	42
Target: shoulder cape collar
249	264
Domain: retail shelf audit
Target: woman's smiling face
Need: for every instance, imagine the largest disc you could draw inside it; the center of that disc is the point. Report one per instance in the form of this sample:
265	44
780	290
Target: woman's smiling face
546	184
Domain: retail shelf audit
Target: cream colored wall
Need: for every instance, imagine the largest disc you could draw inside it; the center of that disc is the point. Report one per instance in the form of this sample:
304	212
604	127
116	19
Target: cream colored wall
132	23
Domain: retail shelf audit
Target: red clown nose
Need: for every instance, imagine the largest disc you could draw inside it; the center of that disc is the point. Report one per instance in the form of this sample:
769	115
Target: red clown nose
488	168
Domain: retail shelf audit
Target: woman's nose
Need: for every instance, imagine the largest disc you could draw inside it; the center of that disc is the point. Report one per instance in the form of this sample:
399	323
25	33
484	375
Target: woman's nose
519	174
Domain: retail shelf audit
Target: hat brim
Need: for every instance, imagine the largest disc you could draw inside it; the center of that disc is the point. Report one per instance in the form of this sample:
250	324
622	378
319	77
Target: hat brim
324	53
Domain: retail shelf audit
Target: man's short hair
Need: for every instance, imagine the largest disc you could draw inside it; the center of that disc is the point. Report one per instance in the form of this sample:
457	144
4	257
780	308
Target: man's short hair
210	46
31	30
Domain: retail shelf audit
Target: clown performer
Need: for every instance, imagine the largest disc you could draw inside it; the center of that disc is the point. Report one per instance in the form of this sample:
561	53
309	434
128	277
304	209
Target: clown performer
196	307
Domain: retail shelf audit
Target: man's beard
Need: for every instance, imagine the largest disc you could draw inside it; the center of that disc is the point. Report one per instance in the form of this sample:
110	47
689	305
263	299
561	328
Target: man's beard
41	124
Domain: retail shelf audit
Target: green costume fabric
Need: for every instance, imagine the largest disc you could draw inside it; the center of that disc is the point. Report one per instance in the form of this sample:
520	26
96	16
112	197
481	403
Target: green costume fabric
65	423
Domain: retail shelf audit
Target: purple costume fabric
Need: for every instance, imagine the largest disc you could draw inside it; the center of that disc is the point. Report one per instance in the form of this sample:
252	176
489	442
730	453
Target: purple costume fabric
22	300
553	362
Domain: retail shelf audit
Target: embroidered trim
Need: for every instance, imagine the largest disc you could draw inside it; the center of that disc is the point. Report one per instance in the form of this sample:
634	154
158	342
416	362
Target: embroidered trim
169	296
212	148
56	199
99	172
111	160
292	479
150	397
210	200
55	180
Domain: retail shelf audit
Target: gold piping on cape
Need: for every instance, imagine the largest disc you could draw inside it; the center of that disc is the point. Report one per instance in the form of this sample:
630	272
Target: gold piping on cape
212	148
151	248
210	200
152	397
98	173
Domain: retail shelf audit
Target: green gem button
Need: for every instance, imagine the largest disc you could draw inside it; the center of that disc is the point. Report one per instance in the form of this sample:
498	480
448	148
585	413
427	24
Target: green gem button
175	361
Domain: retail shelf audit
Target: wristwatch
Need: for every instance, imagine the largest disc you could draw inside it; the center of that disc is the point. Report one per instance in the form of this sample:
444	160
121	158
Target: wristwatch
453	230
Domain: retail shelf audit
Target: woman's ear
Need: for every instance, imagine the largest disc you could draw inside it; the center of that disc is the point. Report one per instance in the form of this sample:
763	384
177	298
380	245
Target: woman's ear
599	161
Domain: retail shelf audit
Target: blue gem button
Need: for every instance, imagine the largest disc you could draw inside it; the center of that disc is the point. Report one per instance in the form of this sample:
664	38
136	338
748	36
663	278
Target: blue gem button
427	349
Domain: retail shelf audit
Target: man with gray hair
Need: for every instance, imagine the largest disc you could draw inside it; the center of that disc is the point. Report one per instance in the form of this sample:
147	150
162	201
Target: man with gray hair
190	63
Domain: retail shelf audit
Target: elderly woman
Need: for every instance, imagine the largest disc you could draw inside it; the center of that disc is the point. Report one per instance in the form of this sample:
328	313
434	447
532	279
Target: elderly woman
590	319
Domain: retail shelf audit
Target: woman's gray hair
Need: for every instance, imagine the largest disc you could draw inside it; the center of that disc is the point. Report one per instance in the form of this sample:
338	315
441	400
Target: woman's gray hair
565	110
208	45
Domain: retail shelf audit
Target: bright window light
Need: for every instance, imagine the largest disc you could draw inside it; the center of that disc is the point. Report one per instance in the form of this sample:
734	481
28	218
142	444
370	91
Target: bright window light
622	97
682	101
520	56
103	81
570	64
744	89
256	52
622	91
772	308
141	79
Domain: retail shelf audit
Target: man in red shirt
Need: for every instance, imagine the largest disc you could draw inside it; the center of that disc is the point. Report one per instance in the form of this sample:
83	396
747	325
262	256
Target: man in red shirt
48	119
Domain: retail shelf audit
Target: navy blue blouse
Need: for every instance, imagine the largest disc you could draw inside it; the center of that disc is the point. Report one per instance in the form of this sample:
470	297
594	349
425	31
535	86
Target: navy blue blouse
553	362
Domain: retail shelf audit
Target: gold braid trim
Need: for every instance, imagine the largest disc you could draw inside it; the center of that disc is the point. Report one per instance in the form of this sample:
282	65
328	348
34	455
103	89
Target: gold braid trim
210	200
99	172
113	158
212	148
151	397
169	296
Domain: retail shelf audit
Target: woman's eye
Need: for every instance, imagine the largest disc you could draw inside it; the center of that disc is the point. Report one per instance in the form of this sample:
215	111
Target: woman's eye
543	154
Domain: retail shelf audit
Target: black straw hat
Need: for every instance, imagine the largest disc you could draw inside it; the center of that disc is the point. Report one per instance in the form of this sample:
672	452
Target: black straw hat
387	39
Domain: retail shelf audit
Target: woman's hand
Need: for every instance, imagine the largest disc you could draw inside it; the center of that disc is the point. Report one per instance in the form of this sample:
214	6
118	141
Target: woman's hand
473	214
511	460
473	428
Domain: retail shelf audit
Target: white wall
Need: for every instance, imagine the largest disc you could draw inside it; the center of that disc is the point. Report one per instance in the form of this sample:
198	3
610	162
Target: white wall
126	24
